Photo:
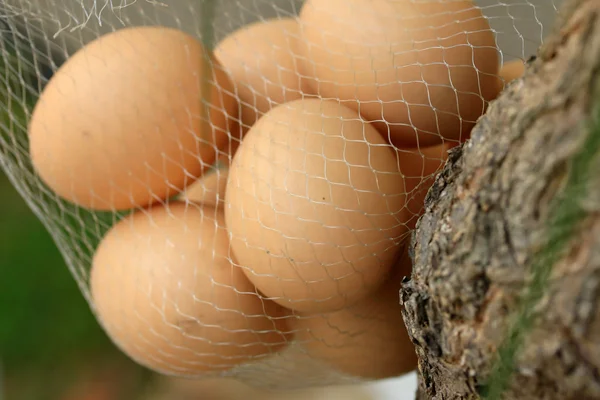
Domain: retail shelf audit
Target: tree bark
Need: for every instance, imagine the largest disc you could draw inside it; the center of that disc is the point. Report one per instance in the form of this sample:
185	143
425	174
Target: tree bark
486	220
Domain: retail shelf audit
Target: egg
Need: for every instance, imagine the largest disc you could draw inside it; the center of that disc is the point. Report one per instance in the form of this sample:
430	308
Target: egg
165	290
510	71
418	71
208	190
367	340
122	125
314	206
261	59
420	167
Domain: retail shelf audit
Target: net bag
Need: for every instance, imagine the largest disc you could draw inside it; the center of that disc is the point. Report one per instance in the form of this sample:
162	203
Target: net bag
232	183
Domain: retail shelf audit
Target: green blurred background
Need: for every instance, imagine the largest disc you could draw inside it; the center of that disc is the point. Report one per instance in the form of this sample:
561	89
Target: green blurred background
50	341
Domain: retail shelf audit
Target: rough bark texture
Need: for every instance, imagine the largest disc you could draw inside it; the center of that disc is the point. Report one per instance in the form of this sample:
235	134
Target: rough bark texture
485	221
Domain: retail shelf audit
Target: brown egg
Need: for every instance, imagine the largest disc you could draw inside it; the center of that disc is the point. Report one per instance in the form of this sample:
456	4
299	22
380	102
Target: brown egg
261	60
314	206
419	71
122	125
167	293
368	340
510	71
420	167
209	189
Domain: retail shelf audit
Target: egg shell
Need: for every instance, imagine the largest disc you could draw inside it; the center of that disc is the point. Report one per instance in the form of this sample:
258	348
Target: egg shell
510	71
121	124
315	206
261	59
209	189
420	167
418	71
168	295
367	340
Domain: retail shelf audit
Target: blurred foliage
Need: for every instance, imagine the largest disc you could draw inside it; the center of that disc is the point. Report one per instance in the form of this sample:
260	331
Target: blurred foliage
43	315
47	331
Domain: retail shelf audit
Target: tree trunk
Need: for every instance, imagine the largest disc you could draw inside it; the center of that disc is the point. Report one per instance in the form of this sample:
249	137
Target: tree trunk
488	223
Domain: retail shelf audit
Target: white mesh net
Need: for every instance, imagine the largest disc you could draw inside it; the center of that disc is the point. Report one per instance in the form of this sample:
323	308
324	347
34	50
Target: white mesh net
231	182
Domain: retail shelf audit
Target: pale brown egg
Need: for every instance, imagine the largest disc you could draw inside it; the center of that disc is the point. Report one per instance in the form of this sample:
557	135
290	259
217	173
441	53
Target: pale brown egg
315	206
262	60
122	123
368	340
510	71
209	189
420	167
166	292
418	71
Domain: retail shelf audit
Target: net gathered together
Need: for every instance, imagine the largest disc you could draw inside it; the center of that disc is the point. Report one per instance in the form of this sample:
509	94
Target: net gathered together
232	183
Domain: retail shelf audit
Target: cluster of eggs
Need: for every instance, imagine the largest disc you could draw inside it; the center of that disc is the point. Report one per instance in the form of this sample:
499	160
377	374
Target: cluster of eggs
328	127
